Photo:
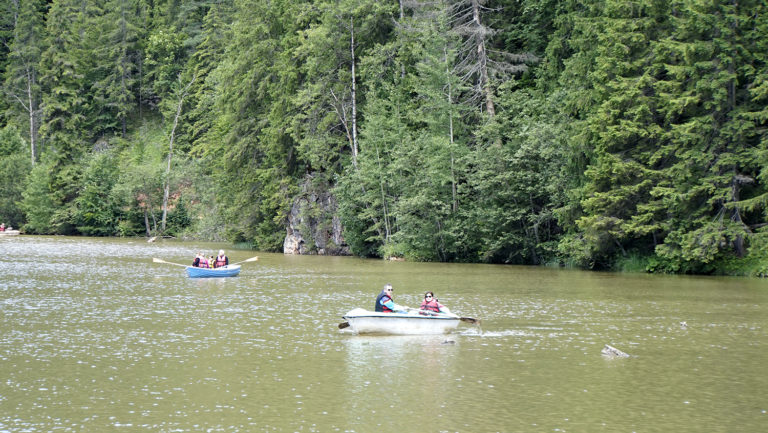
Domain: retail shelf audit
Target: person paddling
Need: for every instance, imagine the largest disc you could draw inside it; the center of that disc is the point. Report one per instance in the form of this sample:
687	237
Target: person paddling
385	302
221	260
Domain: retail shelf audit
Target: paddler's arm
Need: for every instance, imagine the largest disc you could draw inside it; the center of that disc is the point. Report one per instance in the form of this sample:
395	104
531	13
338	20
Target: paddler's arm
389	303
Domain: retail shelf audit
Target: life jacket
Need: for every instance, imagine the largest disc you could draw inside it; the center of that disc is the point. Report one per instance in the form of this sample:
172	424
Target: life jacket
432	305
382	308
220	261
203	263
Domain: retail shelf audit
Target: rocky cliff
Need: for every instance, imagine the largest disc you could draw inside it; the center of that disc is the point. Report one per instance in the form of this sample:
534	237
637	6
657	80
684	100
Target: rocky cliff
313	226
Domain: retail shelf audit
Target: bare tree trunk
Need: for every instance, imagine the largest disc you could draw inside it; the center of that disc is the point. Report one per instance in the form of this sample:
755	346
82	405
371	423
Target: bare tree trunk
146	222
16	13
354	94
31	79
402	16
455	200
387	230
738	243
30	106
482	56
32	112
167	187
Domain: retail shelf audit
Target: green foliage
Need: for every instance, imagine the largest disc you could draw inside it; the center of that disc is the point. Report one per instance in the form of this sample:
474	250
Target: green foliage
178	218
673	151
11	141
114	73
613	135
37	202
164	54
15	166
95	211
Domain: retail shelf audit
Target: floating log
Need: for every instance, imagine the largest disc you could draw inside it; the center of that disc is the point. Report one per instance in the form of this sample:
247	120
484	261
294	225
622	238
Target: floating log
613	352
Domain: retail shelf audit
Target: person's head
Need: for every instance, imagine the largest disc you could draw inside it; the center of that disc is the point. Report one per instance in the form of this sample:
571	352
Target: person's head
388	289
429	296
221	252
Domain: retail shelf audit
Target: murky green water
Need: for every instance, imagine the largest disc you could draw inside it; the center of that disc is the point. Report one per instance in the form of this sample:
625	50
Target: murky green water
94	337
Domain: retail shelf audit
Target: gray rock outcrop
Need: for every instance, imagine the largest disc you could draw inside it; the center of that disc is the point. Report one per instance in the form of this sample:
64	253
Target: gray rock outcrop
313	225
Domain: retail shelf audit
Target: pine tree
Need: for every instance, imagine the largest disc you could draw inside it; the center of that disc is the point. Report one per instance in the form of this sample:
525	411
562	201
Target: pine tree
63	96
63	126
198	127
711	135
114	75
256	81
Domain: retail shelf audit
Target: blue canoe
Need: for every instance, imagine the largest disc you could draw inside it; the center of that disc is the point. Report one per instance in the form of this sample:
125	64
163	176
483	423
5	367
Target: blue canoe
225	271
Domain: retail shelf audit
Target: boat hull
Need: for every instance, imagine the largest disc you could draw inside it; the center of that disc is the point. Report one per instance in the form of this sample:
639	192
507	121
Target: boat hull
370	322
225	271
10	233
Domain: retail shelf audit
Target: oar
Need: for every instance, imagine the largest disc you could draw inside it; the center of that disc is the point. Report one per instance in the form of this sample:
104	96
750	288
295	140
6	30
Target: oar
156	260
252	259
471	320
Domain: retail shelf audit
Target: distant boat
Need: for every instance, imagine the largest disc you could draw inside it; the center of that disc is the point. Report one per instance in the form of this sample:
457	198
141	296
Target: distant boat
10	233
370	322
224	271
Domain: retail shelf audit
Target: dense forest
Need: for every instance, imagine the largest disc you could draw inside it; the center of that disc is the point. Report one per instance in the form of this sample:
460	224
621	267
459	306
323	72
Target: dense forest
610	134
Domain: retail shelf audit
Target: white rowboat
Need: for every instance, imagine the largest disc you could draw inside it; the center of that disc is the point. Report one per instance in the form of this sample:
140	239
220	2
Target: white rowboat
412	323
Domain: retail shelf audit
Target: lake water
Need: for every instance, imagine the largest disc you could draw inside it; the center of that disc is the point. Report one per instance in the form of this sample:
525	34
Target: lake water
95	337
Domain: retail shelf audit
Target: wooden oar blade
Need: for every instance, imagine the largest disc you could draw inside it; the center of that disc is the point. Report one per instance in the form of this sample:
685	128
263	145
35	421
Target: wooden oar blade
156	260
343	325
252	259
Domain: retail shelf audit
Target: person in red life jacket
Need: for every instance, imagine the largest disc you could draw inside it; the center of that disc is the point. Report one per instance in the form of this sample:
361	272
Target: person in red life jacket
430	303
221	260
2	227
385	302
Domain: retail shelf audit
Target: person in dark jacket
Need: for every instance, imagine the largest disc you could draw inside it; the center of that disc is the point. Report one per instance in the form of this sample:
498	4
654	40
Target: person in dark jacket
385	302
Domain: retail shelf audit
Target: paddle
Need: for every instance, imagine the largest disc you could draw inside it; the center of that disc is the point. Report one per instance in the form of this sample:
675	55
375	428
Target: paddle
463	319
471	320
252	259
156	260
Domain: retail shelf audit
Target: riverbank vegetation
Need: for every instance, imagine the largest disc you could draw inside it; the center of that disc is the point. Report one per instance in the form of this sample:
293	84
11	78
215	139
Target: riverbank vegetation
598	134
